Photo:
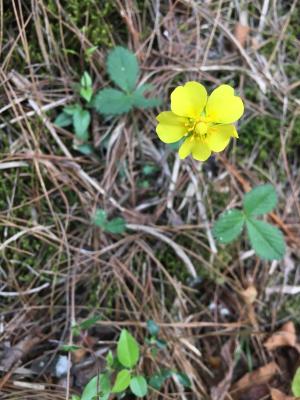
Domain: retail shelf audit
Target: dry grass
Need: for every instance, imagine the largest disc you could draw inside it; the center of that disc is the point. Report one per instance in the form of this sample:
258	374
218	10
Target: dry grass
57	269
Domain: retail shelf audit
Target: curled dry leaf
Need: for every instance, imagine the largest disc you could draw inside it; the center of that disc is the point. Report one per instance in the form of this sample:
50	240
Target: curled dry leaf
285	336
258	377
278	395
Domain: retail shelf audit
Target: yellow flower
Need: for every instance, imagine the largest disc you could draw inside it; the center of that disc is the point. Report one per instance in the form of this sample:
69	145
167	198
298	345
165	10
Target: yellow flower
205	122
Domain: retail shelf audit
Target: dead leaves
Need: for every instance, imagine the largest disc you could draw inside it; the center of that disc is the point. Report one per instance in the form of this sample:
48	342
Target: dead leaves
286	336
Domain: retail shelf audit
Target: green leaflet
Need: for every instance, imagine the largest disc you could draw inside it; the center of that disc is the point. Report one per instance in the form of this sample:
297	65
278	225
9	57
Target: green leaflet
266	239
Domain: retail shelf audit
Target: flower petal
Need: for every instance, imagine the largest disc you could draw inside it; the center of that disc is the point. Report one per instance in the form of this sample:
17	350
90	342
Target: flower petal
189	100
171	128
223	106
186	148
200	151
218	136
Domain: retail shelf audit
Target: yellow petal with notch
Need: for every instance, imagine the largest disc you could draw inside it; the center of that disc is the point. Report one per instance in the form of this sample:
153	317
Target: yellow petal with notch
189	100
218	136
223	106
171	128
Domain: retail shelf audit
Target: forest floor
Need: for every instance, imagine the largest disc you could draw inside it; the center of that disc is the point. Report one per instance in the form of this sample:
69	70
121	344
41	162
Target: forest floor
219	308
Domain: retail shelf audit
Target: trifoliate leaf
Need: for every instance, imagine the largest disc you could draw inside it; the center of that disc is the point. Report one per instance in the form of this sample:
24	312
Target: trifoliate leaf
123	68
116	225
296	383
127	349
138	386
122	381
112	102
81	121
98	385
229	226
260	200
63	119
266	240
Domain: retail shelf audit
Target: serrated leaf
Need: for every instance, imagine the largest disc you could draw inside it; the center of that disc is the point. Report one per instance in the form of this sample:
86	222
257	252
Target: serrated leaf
296	383
152	327
123	68
81	121
100	218
138	386
98	385
116	225
260	200
122	381
266	240
142	102
112	102
63	119
127	349
229	226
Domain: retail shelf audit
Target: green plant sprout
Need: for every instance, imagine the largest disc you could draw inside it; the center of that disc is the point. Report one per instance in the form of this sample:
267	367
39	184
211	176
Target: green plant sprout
115	225
266	240
120	374
123	69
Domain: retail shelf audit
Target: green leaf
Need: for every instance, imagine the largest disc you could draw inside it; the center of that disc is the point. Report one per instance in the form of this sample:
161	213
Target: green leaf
81	121
266	240
116	225
110	359
66	347
296	383
127	349
100	218
89	52
123	68
138	386
88	323
86	93
229	226
75	397
63	119
157	380
86	80
99	385
71	110
112	102
260	200
122	381
85	148
161	344
183	379
140	101
152	328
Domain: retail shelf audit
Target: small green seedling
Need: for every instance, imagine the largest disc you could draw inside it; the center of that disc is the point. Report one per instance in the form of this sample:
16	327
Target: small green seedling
120	374
266	240
115	225
78	116
123	69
